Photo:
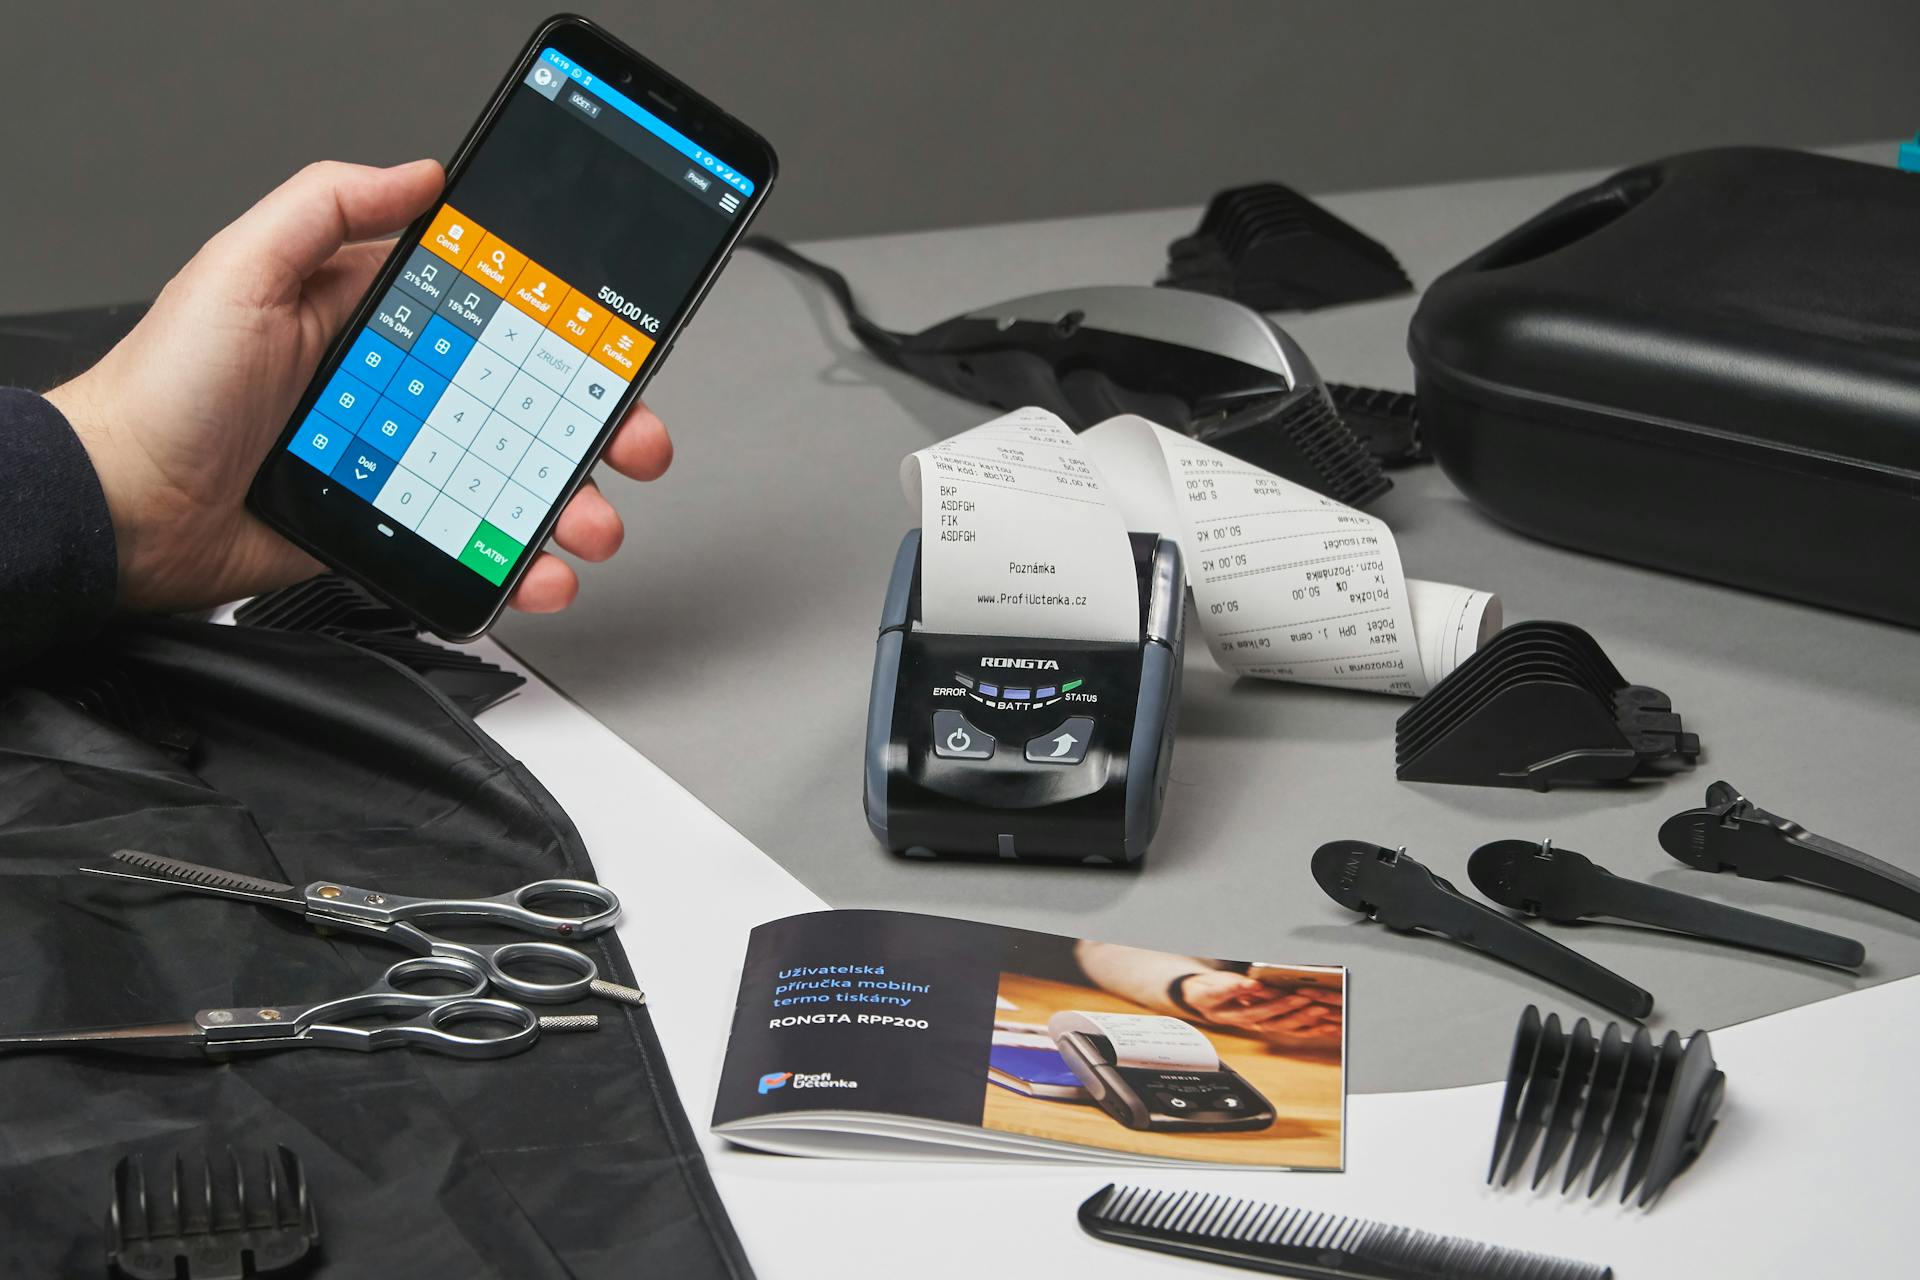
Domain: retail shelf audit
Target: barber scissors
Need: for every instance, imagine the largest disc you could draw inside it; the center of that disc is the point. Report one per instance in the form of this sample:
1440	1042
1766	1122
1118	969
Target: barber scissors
434	1026
391	917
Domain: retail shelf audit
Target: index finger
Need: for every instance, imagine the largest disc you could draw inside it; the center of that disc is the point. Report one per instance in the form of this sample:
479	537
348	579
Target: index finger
640	448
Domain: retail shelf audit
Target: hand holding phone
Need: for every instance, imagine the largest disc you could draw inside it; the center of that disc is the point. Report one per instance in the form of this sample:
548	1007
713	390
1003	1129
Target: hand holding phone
177	418
483	374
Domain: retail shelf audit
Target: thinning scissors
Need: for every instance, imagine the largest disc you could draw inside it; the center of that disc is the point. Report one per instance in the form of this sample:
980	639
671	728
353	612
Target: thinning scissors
434	1026
329	904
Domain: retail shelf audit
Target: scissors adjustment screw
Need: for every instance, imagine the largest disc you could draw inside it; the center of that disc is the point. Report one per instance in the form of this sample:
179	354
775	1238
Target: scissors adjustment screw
329	891
271	1015
219	1016
570	1022
376	899
616	991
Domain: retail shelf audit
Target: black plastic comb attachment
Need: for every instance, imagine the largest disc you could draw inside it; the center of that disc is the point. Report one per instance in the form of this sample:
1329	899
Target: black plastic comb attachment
1636	1106
1257	1236
1540	705
1564	886
1402	894
346	611
1273	249
1731	833
1387	422
213	1219
1301	436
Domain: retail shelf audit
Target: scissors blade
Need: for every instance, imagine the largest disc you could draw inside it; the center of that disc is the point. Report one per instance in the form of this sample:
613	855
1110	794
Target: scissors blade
166	1039
150	868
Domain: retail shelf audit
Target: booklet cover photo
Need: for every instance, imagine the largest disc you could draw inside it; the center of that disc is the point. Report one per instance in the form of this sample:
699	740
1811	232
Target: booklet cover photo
879	1033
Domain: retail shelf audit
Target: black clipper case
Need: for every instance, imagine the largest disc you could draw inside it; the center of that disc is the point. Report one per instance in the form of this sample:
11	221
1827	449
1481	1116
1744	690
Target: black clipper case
1709	364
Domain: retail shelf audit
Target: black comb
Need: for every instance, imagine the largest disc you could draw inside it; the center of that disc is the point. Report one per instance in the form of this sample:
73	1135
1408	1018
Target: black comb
1257	1236
215	1220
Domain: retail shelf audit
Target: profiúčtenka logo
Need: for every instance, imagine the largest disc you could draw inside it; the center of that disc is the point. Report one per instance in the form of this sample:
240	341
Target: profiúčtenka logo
774	1080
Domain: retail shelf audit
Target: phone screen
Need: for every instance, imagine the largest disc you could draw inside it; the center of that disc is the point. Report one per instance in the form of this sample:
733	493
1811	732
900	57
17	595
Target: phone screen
571	239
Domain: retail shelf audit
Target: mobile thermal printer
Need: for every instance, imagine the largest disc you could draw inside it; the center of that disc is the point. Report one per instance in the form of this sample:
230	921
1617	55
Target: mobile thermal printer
1031	749
1156	1073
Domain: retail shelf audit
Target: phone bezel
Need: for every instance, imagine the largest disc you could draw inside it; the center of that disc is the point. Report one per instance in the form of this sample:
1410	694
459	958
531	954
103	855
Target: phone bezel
460	604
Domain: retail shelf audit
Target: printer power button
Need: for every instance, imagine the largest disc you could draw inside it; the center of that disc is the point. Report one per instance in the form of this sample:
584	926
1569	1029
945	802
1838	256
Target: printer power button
956	739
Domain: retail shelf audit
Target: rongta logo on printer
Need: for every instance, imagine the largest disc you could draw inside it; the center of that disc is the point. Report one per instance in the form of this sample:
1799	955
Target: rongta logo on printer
1025	664
804	1080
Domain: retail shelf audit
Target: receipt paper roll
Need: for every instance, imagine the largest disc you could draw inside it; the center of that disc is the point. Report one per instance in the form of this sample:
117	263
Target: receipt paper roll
1024	533
1142	1039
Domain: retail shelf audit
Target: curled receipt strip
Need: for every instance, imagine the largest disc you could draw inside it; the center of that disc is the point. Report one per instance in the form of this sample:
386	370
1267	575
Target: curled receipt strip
1025	533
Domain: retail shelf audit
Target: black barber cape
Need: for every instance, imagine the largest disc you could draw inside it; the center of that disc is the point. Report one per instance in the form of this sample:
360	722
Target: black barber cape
297	757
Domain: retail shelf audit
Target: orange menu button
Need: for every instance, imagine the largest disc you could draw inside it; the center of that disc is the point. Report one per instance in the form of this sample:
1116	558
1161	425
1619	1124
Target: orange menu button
537	292
496	264
622	348
453	235
580	320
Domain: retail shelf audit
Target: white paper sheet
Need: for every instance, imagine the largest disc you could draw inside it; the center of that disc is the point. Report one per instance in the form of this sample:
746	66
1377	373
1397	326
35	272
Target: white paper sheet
1142	1039
1024	533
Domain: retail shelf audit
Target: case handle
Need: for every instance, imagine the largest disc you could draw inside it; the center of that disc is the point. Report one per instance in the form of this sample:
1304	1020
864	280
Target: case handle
1567	222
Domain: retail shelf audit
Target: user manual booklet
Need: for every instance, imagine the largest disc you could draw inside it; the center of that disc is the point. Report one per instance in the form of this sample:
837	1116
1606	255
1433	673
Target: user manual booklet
889	1034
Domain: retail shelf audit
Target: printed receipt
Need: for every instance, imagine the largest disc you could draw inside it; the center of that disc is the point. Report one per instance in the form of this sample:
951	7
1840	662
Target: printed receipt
1024	533
1019	536
1142	1039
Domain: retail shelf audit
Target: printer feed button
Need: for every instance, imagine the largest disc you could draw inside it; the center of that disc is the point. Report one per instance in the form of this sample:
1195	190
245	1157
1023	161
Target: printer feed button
1064	745
955	739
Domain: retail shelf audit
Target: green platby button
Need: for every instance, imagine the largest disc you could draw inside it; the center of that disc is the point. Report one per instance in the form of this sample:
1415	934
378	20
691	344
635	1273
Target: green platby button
490	553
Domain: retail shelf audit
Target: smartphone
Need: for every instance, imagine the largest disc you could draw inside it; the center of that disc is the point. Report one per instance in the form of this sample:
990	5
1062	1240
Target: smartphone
584	218
1034	1073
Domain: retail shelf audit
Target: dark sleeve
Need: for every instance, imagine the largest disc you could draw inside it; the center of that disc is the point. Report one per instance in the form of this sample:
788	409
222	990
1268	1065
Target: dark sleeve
58	564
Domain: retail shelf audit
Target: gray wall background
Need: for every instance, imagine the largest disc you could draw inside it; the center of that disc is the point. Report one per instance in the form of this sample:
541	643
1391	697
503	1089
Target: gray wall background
131	130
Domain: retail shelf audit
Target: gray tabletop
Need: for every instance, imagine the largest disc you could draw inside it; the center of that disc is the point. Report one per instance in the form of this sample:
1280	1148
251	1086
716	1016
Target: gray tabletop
732	643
